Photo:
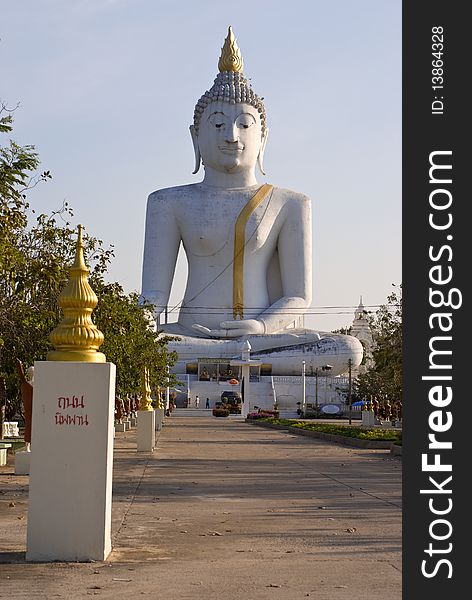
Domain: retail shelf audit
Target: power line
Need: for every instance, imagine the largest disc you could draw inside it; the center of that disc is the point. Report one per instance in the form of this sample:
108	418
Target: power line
295	312
259	308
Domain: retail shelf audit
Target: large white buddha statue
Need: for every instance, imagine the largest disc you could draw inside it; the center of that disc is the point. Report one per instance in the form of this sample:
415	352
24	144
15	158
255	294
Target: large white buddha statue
248	246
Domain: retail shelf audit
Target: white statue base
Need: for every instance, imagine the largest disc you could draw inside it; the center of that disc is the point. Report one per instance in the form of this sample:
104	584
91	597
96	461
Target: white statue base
146	433
284	352
22	462
69	516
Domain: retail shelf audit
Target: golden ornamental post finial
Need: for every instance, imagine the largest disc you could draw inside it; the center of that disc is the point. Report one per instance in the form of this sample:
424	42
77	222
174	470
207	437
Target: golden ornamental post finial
159	399
76	338
230	59
146	400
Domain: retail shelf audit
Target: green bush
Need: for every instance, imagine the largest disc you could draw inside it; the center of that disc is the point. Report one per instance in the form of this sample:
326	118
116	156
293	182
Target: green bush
220	412
390	435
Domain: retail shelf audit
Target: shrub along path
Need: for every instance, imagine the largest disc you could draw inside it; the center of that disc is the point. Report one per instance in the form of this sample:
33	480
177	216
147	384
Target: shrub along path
350	435
225	510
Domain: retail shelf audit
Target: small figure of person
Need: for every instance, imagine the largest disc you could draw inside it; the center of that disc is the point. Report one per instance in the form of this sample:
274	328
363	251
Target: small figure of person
119	409
394	415
128	406
387	410
207	403
399	409
197	401
376	407
381	414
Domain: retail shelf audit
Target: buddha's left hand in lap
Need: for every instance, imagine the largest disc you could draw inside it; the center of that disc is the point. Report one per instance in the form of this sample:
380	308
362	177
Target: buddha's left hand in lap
233	329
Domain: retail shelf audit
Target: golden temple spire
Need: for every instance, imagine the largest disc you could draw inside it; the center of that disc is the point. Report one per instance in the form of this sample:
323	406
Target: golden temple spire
146	401
230	59
76	338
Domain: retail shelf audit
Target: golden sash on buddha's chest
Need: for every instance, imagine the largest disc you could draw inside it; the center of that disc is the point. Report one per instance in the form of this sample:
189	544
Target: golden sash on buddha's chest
239	245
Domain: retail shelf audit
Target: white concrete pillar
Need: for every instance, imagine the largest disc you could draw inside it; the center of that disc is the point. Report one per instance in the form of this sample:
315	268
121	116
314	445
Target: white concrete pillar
4	454
22	462
69	515
368	418
245	407
146	432
159	412
167	402
245	363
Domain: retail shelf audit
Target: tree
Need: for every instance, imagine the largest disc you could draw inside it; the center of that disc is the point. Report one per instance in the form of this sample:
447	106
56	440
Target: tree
34	267
30	284
385	376
17	167
130	342
17	174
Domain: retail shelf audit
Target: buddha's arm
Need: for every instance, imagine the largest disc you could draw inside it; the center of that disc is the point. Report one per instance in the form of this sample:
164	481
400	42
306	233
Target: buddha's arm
161	246
294	249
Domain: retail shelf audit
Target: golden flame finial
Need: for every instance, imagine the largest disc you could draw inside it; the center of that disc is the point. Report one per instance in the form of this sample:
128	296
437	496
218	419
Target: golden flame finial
146	400
230	59
76	338
79	261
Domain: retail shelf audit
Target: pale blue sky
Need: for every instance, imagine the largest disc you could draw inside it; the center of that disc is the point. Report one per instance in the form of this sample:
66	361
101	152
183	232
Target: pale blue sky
107	90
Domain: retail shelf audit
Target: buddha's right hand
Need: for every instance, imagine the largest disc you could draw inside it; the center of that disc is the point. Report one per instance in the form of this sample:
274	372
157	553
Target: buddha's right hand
233	329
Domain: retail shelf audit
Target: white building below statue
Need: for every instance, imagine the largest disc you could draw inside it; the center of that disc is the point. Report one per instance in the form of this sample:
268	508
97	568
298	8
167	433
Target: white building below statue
276	378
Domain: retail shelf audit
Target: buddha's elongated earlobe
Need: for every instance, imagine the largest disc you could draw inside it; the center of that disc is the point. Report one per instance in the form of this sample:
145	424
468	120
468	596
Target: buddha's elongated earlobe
260	156
196	149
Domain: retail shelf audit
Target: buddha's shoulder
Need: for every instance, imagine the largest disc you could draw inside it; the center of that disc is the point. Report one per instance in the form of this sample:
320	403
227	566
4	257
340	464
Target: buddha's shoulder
180	193
171	194
291	196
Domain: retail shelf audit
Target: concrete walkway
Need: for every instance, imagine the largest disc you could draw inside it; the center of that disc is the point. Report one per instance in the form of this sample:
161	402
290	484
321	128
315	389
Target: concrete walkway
229	511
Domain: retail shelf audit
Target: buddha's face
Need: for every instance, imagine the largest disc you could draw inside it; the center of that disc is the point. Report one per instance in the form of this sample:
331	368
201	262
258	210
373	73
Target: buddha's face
230	137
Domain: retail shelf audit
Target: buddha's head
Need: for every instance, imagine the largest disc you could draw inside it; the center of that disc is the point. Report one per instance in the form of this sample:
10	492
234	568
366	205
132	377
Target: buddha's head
229	131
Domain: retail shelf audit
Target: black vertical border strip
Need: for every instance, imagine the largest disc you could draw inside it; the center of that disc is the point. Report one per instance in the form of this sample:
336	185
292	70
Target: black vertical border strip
423	133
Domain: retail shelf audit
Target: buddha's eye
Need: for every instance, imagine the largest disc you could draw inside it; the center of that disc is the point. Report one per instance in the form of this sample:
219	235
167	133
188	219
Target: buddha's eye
245	121
217	119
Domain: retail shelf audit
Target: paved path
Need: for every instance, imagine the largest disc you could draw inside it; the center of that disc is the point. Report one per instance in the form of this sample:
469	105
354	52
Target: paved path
229	511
